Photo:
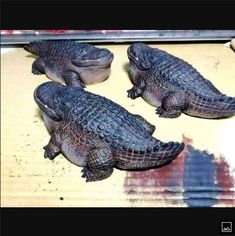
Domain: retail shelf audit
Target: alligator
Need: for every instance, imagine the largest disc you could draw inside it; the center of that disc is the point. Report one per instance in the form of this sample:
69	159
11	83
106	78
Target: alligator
70	62
174	86
93	132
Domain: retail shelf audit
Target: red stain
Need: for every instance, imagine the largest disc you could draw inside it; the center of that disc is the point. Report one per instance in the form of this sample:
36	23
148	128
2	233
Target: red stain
163	175
226	183
166	183
155	181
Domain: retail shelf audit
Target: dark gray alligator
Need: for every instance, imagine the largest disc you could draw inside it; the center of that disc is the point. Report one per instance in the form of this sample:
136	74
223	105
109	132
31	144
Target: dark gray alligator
71	62
98	134
174	86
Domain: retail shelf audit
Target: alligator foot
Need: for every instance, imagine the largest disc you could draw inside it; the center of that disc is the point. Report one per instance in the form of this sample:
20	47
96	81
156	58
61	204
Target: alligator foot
52	149
50	153
35	71
38	67
95	175
167	114
133	93
72	78
100	164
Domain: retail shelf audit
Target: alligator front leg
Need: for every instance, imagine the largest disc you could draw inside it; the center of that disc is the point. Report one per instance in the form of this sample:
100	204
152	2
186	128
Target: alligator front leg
38	67
100	164
172	105
137	90
53	148
72	78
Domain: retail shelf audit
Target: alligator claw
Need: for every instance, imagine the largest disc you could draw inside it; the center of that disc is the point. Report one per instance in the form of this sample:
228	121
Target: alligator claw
49	153
132	93
167	114
87	174
35	71
160	111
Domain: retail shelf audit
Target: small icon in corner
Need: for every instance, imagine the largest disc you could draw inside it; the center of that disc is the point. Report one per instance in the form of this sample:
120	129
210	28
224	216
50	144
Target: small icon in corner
226	227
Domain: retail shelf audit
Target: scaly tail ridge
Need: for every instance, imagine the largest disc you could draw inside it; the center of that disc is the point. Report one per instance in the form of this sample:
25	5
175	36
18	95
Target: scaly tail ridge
212	108
158	155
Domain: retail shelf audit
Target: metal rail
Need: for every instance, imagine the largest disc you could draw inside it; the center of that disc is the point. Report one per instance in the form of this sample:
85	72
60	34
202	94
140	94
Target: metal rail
120	36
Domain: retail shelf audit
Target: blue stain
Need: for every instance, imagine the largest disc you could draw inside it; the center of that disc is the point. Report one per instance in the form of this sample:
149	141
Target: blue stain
200	169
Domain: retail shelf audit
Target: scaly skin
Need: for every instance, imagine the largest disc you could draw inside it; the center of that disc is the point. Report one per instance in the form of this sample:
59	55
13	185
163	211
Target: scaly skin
98	134
174	86
70	62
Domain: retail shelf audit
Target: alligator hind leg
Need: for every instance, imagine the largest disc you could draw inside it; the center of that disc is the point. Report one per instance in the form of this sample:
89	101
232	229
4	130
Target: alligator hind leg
148	127
172	105
38	67
72	78
100	164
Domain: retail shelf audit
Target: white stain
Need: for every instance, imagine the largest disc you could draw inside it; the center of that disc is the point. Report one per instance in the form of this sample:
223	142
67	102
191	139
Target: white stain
227	142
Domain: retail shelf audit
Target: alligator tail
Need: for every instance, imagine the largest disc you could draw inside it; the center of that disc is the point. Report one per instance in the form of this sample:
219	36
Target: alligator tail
212	108
155	156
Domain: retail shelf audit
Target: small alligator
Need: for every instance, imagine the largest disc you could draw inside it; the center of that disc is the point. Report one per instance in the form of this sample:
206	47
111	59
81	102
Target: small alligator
71	62
98	134
174	86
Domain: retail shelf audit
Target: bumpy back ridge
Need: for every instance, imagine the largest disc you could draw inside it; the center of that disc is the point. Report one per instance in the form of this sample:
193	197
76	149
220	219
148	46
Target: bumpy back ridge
106	119
176	71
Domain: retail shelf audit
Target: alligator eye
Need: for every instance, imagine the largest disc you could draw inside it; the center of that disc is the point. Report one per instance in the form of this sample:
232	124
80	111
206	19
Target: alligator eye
83	51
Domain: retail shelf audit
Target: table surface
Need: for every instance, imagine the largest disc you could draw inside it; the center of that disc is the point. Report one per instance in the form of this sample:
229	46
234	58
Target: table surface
203	175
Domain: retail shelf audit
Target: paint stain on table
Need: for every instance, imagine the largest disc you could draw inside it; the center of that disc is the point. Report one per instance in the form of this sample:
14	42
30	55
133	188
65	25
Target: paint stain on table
195	178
